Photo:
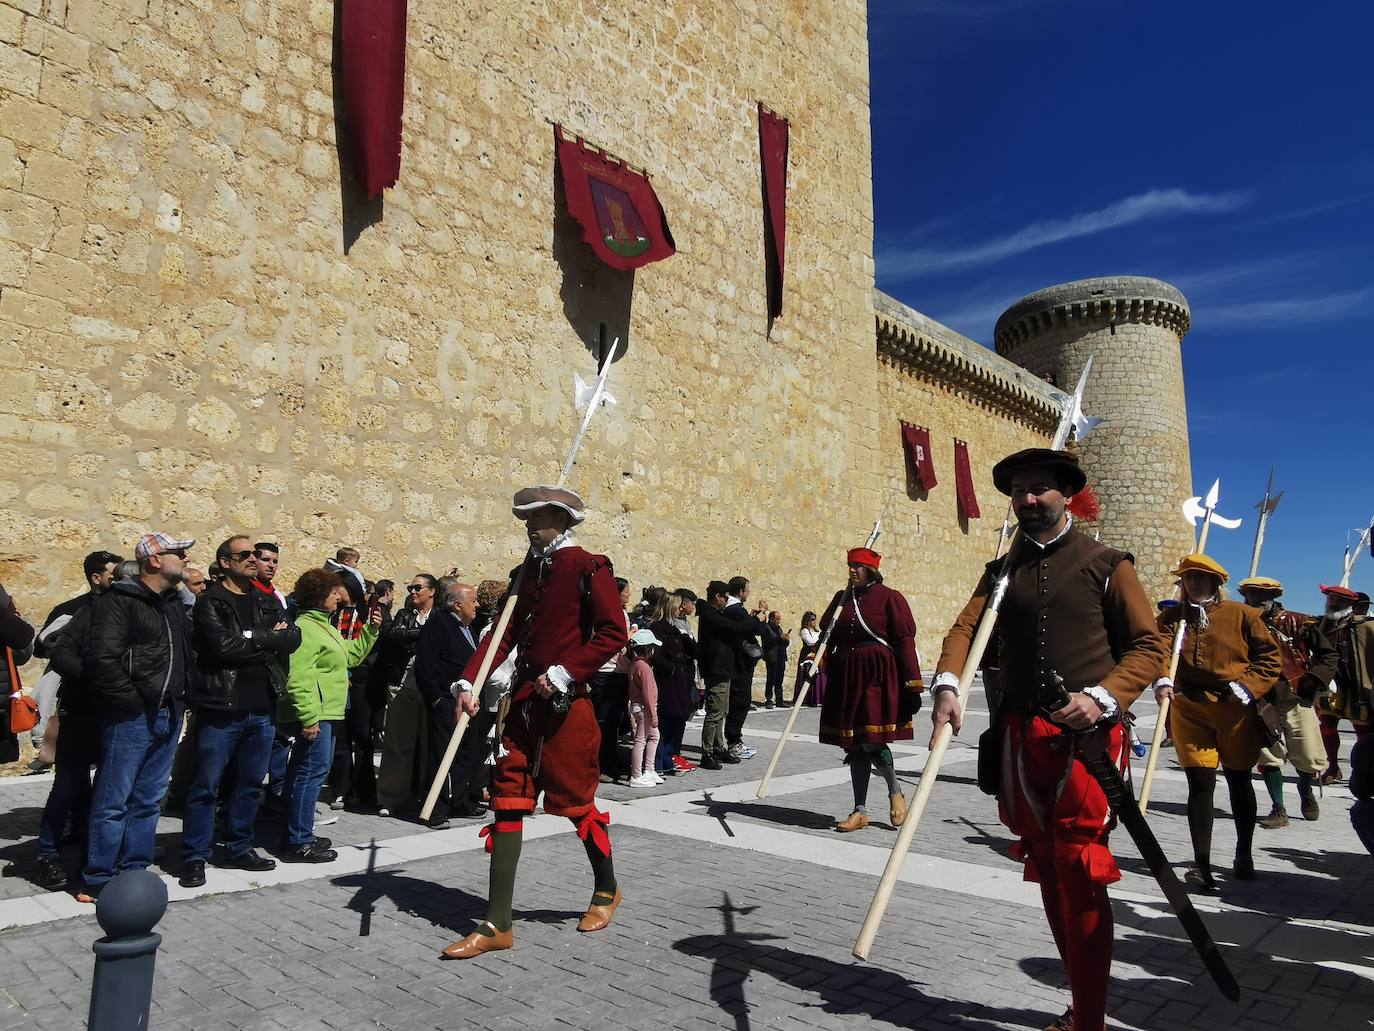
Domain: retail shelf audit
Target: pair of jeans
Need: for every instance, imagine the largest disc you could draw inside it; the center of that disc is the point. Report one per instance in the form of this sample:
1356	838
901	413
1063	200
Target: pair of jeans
772	691
646	740
669	741
713	729
78	749
305	773
276	764
135	761
239	745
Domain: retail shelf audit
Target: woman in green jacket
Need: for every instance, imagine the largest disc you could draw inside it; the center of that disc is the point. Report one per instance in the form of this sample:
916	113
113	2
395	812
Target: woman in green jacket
316	695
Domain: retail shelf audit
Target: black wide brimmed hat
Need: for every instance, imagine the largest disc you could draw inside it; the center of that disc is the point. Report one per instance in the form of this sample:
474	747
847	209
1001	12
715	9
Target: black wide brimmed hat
1064	466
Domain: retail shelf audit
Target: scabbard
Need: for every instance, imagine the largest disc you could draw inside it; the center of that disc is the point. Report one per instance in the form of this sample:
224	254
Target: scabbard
1092	751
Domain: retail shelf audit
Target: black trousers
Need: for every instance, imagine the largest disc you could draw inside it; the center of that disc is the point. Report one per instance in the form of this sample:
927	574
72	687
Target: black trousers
741	694
472	753
611	699
772	692
353	777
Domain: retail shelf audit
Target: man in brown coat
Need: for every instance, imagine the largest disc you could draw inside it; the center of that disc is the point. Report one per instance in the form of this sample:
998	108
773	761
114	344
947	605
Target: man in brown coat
1074	609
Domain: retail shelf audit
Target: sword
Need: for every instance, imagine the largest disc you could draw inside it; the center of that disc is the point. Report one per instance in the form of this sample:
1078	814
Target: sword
1092	750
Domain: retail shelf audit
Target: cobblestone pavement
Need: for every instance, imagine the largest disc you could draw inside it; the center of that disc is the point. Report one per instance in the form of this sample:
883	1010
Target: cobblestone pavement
739	913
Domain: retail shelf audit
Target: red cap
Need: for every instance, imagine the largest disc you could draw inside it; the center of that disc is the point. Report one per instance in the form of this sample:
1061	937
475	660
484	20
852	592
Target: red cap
1339	592
863	557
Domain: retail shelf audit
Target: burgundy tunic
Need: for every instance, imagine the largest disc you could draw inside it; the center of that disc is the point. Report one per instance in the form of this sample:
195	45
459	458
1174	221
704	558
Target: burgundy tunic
867	701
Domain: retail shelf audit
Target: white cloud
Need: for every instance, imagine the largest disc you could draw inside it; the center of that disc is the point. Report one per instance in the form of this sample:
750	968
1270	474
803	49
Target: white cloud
1282	310
910	263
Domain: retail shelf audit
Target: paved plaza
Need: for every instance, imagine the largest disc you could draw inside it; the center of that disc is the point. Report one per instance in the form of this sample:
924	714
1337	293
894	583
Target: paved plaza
738	913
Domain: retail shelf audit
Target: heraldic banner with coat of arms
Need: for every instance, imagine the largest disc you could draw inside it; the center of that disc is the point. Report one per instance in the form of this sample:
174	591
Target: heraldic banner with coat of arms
616	206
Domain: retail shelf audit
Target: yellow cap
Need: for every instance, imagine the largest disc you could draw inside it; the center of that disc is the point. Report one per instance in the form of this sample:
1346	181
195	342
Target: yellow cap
1202	564
1261	583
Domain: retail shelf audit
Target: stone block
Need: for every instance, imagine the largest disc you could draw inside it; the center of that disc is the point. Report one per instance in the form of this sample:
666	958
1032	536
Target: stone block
60	278
11	26
20	71
52	43
56	179
14	263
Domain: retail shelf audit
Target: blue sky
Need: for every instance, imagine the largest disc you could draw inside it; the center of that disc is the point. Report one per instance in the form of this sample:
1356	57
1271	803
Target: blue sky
1227	149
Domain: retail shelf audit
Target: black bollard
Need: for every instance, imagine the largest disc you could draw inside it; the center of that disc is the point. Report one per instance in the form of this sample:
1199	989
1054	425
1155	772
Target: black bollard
128	909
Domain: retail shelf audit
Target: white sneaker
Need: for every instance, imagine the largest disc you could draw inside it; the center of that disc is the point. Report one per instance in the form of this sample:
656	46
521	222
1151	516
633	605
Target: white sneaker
325	818
748	753
643	781
658	777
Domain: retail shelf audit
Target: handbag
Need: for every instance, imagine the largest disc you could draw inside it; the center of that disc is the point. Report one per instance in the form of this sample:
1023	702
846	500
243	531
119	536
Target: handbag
23	709
990	757
751	648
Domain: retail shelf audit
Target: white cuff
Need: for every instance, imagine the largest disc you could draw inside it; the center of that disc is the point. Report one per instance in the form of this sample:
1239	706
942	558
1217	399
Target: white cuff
1162	682
460	687
1104	698
560	678
1244	696
945	679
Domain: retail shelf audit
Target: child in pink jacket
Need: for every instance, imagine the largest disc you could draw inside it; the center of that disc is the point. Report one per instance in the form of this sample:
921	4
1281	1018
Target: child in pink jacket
643	709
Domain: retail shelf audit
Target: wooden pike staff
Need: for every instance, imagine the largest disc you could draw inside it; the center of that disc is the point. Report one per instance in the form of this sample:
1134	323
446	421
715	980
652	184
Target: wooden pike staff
1071	418
815	668
499	631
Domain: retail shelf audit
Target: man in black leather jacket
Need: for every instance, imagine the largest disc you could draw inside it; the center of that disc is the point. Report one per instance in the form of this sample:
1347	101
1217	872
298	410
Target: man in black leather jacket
242	641
136	664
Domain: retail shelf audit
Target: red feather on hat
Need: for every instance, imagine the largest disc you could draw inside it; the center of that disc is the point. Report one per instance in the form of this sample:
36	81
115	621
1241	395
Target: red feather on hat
1085	506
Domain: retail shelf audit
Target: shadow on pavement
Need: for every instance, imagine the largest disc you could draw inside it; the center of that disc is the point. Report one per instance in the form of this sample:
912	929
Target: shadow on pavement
849	989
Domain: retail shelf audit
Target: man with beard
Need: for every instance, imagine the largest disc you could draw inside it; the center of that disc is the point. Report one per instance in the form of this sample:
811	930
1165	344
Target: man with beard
1074	609
1352	633
1309	663
568	621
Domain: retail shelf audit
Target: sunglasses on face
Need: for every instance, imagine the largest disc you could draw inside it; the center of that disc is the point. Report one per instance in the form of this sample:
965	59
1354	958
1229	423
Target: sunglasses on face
239	556
417	588
179	553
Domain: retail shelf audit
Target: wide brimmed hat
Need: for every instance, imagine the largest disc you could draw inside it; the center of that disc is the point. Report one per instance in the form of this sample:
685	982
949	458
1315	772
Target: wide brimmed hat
1202	564
531	499
863	557
1344	593
1261	583
1065	467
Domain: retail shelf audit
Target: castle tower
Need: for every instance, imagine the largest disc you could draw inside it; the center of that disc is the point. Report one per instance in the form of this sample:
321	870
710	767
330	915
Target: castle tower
1138	458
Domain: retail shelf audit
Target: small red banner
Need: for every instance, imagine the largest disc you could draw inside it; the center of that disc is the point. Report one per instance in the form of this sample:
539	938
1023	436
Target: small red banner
916	444
616	206
963	482
373	50
773	152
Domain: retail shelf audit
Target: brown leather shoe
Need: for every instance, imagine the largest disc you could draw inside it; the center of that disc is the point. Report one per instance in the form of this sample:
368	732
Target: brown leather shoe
598	917
477	943
897	810
855	822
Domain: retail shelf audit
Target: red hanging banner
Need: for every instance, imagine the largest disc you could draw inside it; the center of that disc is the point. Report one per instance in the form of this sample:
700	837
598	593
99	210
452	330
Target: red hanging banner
963	482
773	153
616	206
373	50
916	444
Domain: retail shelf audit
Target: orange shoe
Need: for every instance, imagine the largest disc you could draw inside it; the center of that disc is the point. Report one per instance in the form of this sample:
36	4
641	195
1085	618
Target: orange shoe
477	943
897	810
598	917
856	821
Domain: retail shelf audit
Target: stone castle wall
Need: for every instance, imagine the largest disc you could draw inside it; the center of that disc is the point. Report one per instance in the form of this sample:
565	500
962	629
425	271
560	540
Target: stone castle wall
184	341
1138	459
205	328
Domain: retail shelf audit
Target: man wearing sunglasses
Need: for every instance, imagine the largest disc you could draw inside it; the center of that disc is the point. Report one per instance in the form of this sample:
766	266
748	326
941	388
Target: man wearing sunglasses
137	661
242	641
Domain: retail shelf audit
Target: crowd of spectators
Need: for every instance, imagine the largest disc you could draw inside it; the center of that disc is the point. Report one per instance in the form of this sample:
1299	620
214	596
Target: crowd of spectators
255	711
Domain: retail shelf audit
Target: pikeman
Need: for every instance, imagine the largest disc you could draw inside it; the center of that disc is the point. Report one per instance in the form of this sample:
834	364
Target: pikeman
1351	630
1309	663
1073	609
567	623
874	682
1228	660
